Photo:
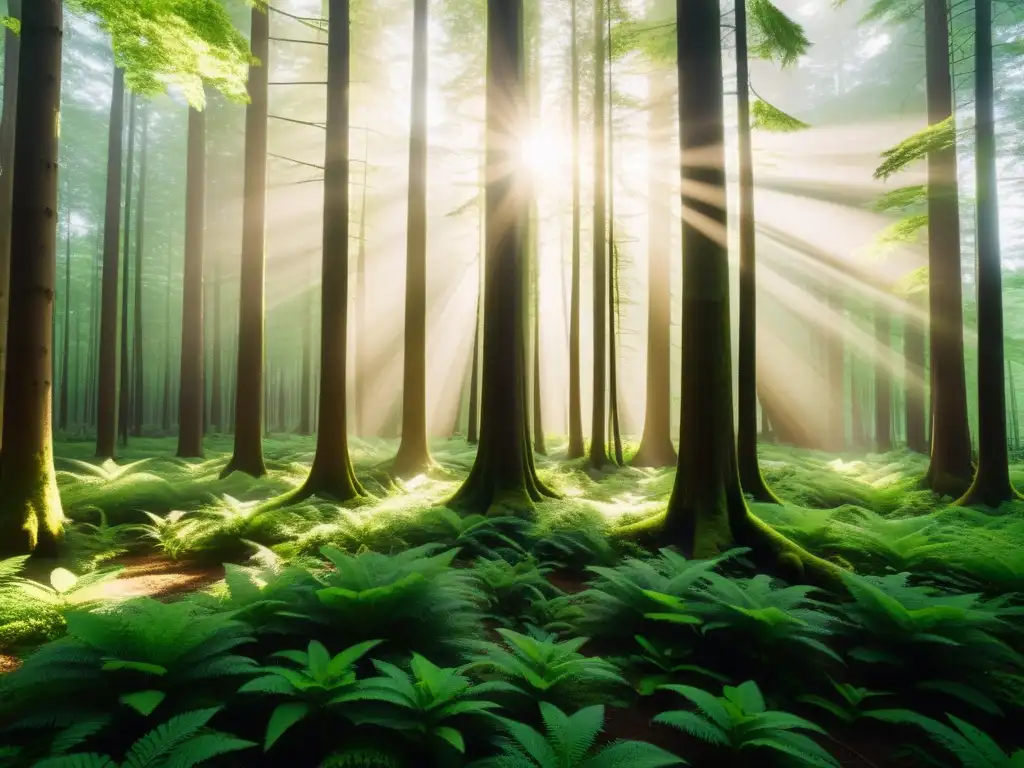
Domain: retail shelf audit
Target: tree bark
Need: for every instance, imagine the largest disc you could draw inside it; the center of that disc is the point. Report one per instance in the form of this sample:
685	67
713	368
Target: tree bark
217	352
914	356
576	447
190	395
751	479
138	379
359	406
65	356
950	470
124	408
12	47
413	452
106	397
165	408
883	380
31	517
598	449
535	96
991	486
473	430
248	447
503	477
613	265
306	371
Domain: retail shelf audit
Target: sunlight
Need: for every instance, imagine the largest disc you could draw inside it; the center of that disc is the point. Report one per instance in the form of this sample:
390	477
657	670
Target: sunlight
545	155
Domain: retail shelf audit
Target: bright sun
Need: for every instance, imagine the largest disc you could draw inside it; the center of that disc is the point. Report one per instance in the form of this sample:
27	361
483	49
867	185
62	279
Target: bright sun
543	154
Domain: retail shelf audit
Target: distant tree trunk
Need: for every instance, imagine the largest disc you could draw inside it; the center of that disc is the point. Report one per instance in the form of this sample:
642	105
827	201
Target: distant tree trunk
503	476
991	486
598	449
656	449
190	397
857	426
92	367
534	88
1014	413
332	474
65	357
360	330
413	452
106	398
138	380
613	265
883	380
249	386
30	508
282	405
216	375
751	479
306	372
472	431
835	363
124	411
914	355
12	47
165	408
576	447
950	470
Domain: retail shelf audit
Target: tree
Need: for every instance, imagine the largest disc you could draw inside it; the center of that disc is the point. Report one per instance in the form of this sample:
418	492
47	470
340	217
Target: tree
883	380
503	474
12	47
65	355
190	395
138	378
413	452
991	485
613	263
248	454
598	449
125	386
31	516
576	448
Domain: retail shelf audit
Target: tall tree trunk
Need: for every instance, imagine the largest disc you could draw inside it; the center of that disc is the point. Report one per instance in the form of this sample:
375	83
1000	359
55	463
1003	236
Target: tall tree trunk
332	474
190	396
92	367
30	508
413	452
883	380
503	476
106	397
216	374
473	430
950	470
281	414
751	479
306	372
65	356
991	485
360	330
613	265
125	387
535	93
914	355
857	427
1014	413
835	375
576	447
12	47
249	385
138	380
598	449
165	408
707	513
656	449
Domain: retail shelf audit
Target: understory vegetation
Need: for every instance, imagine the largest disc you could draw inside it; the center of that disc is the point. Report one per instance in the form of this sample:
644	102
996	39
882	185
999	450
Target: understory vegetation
395	632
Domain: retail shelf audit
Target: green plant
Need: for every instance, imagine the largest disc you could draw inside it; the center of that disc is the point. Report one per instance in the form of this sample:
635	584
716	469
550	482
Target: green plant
739	720
474	535
548	670
556	616
319	680
574	548
65	592
181	742
658	664
94	543
568	742
851	706
972	747
169	533
426	704
511	588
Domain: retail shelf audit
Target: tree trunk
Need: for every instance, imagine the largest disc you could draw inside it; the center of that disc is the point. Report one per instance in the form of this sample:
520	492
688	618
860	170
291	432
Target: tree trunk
576	447
535	96
751	479
138	380
332	474
249	385
306	372
503	477
991	485
835	372
190	395
472	431
106	397
598	449
92	367
914	356
950	470
30	508
413	452
165	408
281	420
1014	413
125	387
12	47
883	380
613	265
65	357
216	376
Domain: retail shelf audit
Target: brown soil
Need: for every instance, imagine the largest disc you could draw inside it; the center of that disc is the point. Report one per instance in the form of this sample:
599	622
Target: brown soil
157	577
8	663
567	581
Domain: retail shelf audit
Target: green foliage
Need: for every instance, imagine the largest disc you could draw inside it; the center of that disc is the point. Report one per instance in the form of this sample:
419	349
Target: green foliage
850	706
181	742
773	35
11	23
546	669
739	720
569	742
474	535
574	548
766	117
972	747
909	229
934	138
318	680
512	588
902	198
658	664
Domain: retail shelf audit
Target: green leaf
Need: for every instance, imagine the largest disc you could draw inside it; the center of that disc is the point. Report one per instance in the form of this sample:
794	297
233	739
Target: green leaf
901	199
143	702
774	35
137	666
452	736
319	659
11	23
765	117
934	138
283	718
673	618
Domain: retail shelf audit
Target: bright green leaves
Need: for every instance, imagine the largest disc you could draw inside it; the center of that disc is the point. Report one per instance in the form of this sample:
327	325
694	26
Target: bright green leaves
11	23
934	138
773	35
183	44
903	198
766	117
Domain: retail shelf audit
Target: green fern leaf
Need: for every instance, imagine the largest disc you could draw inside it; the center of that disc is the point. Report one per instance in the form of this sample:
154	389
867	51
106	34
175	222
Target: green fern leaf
203	747
765	117
695	725
283	717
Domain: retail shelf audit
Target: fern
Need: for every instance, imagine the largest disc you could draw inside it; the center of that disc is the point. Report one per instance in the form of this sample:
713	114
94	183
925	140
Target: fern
901	199
971	746
765	117
934	138
512	588
774	35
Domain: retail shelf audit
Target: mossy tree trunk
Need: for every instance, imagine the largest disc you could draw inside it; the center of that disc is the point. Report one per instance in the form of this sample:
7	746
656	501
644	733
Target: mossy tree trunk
31	517
138	372
248	412
991	485
124	384
576	447
503	477
12	47
598	457
950	470
190	393
656	449
106	396
883	380
413	452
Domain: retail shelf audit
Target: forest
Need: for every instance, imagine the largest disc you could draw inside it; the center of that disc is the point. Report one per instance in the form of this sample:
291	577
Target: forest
511	383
